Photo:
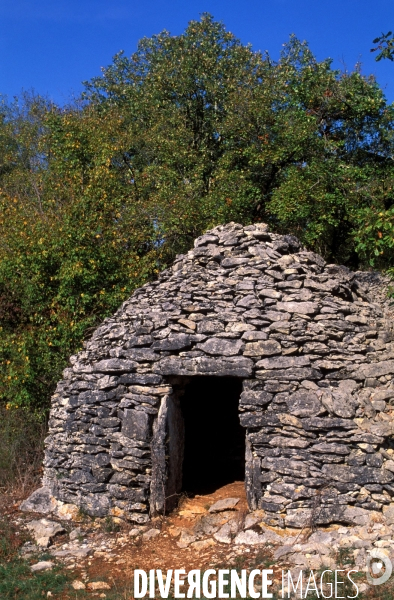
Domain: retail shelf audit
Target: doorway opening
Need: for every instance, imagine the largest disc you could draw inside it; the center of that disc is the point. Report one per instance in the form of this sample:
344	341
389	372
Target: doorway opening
214	441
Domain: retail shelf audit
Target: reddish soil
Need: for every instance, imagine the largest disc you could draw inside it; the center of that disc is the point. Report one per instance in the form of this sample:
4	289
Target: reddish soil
163	553
121	555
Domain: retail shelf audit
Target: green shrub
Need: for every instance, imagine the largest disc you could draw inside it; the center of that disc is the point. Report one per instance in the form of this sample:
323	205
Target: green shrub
21	447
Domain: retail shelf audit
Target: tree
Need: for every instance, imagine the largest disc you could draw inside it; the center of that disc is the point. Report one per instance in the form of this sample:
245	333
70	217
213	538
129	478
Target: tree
72	245
190	131
225	133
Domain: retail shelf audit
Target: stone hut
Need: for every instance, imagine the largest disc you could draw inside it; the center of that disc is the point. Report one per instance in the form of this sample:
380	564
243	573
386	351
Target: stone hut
249	358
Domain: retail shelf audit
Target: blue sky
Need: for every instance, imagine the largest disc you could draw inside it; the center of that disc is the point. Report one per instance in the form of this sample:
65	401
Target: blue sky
51	46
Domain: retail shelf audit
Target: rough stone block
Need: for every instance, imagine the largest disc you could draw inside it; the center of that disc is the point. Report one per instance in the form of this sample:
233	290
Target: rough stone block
221	347
304	404
40	501
231	367
256	398
283	362
115	365
135	424
262	348
302	308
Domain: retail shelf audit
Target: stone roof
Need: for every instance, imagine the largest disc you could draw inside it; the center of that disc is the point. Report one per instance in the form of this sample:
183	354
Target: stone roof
313	349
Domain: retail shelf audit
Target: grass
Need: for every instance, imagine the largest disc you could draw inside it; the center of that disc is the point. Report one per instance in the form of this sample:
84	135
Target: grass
16	579
21	450
110	526
21	446
17	582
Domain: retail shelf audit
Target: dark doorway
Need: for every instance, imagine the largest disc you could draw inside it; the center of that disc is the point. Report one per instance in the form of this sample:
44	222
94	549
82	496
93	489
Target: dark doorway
214	451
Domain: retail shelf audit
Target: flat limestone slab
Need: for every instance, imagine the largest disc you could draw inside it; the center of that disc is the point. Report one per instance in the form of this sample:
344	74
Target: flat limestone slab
226	504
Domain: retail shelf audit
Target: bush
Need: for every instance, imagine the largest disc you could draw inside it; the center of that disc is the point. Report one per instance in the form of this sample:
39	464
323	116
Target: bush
21	447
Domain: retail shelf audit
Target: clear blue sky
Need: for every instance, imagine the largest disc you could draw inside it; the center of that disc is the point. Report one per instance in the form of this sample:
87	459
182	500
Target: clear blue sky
53	45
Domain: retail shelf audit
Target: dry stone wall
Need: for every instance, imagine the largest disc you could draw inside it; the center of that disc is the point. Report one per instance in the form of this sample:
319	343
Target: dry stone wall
314	351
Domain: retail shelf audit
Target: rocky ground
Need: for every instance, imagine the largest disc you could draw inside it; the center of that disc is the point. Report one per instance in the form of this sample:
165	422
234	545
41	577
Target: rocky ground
206	531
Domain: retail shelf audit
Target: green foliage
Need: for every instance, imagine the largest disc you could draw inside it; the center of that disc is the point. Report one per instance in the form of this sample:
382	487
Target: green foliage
189	132
21	446
17	581
110	526
16	578
385	46
73	246
175	94
376	239
236	136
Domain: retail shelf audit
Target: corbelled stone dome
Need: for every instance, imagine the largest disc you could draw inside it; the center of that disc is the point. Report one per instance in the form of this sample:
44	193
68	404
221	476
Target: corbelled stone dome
306	349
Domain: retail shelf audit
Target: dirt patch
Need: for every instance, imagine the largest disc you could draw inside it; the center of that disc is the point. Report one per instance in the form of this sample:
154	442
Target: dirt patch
186	539
162	552
115	555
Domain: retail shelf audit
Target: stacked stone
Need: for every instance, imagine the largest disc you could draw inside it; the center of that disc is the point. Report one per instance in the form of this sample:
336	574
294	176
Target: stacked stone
316	357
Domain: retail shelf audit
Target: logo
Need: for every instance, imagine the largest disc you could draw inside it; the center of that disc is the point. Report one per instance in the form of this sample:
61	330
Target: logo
379	568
